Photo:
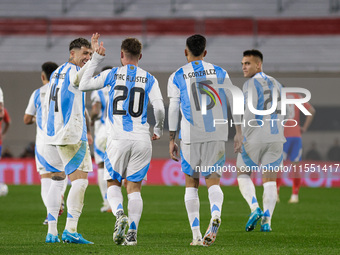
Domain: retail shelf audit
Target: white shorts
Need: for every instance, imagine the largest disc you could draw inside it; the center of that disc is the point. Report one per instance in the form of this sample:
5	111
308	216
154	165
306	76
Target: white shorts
204	158
127	159
41	162
266	154
99	147
69	157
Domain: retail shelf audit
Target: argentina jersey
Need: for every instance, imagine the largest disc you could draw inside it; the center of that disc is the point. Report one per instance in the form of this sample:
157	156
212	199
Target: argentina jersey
35	108
202	90
260	91
131	88
65	106
101	96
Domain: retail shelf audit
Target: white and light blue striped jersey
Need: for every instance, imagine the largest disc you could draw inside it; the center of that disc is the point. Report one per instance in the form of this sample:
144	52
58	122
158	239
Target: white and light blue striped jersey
100	96
65	106
262	128
191	83
35	108
130	90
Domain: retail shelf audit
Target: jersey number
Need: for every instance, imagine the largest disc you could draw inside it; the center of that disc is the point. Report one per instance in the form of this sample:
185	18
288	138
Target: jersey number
270	100
123	97
54	97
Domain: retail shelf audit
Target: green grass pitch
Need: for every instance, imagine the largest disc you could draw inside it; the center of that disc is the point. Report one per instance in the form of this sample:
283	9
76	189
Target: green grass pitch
310	227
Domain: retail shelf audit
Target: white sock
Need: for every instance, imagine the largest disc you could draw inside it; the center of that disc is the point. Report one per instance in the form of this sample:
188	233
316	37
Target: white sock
102	184
53	201
45	187
192	204
269	199
64	187
75	203
216	200
115	198
135	208
247	189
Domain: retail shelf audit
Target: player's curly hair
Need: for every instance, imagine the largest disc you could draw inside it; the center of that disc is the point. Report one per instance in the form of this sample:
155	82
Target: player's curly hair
78	43
132	46
48	68
253	52
196	44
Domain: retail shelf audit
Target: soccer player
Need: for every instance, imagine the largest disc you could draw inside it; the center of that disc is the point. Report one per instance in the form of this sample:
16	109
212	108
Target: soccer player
292	149
128	150
66	140
263	139
202	143
34	114
99	100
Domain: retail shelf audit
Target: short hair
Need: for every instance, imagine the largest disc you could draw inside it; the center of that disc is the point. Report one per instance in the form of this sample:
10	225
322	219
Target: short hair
132	46
196	44
48	68
253	52
78	43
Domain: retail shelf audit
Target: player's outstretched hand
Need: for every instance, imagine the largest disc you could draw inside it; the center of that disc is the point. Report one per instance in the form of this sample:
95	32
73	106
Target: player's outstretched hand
94	41
101	50
173	150
155	137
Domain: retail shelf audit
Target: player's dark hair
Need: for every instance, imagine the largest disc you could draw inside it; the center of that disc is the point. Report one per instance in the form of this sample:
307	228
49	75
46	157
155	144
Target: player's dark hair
78	43
48	68
132	46
196	44
253	52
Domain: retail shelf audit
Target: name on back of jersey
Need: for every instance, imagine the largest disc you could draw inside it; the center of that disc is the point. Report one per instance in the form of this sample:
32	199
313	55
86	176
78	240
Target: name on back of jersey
124	77
199	73
58	76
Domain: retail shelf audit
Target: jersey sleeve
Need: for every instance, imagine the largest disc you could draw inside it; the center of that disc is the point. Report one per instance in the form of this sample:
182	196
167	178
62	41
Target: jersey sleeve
88	82
155	92
156	100
173	89
31	110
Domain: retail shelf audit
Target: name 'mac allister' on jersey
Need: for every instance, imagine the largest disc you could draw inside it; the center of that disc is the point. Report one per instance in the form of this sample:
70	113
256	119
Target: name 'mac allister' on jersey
101	96
262	128
187	88
130	90
65	106
35	108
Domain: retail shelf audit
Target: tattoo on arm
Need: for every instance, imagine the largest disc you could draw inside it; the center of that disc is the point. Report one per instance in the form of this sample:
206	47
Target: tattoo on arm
172	135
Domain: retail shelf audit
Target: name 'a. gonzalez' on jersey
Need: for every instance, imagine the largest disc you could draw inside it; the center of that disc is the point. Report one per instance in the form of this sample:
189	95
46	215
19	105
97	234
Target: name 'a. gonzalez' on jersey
65	106
204	98
262	128
131	88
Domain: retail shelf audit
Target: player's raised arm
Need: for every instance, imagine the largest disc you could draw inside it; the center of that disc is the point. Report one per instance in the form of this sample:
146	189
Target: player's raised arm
173	117
88	83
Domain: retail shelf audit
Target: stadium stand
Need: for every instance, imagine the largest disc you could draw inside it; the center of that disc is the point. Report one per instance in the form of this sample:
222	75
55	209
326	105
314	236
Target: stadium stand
168	8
